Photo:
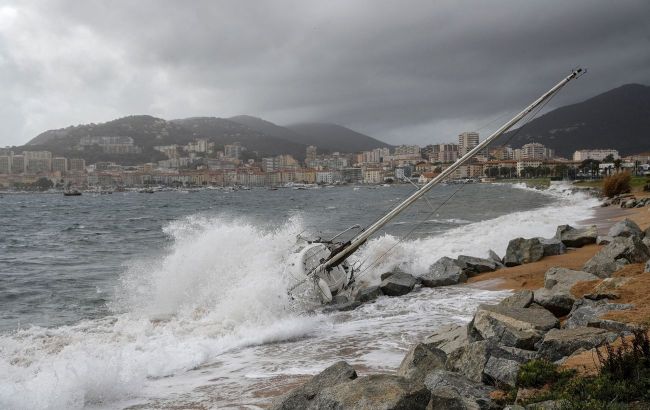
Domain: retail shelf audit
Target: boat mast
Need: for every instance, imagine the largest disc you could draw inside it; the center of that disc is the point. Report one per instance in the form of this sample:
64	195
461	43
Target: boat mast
350	247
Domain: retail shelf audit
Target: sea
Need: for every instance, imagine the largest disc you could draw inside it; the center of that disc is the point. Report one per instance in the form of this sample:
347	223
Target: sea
179	299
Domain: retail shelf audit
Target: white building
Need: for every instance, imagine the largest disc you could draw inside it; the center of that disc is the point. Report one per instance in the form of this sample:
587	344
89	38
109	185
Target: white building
233	150
535	150
527	163
595	154
467	141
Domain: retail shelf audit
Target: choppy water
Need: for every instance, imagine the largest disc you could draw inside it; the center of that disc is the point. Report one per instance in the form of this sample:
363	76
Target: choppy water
177	299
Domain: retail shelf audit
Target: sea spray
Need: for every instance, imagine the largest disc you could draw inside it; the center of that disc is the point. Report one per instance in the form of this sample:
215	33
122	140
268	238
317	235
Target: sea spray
219	287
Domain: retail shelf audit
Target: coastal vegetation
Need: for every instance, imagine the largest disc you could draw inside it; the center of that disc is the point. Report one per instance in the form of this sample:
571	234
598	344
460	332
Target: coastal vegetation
617	184
622	380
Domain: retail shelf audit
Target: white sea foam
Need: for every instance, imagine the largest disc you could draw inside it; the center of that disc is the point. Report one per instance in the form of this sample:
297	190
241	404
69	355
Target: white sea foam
476	239
220	286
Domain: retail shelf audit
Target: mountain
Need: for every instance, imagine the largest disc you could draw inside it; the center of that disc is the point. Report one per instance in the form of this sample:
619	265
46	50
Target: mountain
333	137
226	131
327	137
619	119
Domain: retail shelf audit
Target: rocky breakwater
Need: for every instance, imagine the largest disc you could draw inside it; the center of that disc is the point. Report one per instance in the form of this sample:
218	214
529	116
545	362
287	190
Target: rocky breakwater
463	366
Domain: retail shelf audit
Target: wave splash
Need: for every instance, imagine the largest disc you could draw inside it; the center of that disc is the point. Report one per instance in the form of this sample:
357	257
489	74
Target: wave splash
219	287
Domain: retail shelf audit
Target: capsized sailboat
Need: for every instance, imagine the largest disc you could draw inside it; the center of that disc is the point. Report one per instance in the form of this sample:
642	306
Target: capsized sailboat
319	267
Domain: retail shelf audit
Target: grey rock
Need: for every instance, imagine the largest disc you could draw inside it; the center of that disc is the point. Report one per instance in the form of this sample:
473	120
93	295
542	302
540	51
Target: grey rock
625	228
470	360
386	275
614	255
588	313
559	304
545	405
378	391
447	338
474	395
342	307
559	343
368	294
420	360
564	279
398	284
576	238
646	233
495	257
301	397
647	266
630	203
445	398
646	240
473	266
552	246
444	272
522	251
503	372
514	407
510	326
604	240
519	299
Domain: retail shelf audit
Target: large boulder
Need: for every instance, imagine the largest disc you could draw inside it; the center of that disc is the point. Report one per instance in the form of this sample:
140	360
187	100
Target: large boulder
625	228
368	294
398	284
377	391
444	272
342	307
447	338
552	246
502	371
556	294
620	252
588	313
420	360
495	257
522	251
519	299
512	326
473	266
576	238
559	343
471	360
452	391
301	397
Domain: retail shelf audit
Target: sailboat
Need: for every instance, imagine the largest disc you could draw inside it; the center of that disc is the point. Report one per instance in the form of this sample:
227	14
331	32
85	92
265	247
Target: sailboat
319	267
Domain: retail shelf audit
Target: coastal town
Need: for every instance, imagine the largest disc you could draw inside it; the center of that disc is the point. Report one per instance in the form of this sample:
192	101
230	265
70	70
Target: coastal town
201	163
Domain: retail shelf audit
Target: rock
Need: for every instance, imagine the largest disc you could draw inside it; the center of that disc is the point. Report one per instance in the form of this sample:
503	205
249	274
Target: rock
587	313
646	241
398	284
471	360
472	266
559	304
604	240
630	203
444	272
301	397
514	407
368	294
556	295
576	238
519	299
445	385
646	233
377	391
447	338
613	256
647	267
342	307
495	257
552	246
510	326
420	360
625	228
559	343
503	372
386	275
545	405
522	251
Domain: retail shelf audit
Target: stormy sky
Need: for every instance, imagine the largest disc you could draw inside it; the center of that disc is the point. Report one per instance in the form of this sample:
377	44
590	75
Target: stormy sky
401	71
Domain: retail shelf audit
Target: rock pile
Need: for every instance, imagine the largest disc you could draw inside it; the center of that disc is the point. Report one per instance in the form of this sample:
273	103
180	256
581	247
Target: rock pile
627	201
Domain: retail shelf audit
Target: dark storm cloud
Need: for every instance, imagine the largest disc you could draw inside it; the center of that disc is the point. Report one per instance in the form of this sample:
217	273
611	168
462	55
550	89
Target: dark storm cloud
412	72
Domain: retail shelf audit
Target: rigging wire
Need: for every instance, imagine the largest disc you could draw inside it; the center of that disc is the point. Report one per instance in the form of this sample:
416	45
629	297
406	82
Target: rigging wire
531	116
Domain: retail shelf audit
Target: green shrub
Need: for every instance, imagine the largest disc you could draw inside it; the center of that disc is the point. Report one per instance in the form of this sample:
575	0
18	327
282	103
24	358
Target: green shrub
538	373
617	184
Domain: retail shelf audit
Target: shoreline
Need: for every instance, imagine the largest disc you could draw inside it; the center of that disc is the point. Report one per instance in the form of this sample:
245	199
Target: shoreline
632	287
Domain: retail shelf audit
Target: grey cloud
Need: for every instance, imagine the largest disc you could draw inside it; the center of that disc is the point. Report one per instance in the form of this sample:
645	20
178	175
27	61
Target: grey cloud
413	72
